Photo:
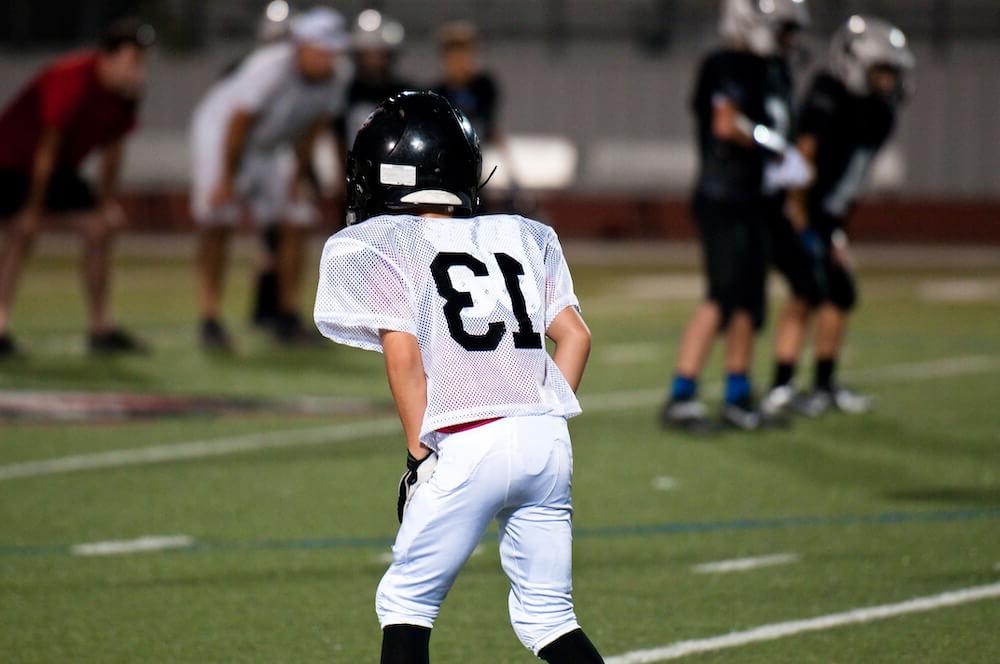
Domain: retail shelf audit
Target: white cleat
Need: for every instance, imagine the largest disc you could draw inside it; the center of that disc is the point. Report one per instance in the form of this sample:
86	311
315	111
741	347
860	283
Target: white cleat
778	400
851	402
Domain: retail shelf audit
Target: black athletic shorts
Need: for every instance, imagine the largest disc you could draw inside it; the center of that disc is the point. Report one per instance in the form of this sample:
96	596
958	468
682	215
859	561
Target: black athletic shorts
734	241
814	278
67	192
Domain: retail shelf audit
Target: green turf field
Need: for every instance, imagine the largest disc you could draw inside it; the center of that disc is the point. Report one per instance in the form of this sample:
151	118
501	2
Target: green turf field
288	525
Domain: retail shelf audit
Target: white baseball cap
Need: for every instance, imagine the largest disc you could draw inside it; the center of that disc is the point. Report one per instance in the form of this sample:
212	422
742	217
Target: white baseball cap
322	28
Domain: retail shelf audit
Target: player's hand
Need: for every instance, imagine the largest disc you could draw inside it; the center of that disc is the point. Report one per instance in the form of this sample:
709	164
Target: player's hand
791	172
417	472
222	194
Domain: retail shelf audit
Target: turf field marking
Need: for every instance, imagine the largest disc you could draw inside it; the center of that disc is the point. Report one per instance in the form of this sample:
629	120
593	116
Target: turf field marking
745	564
821	623
201	449
600	532
138	545
348	431
664	483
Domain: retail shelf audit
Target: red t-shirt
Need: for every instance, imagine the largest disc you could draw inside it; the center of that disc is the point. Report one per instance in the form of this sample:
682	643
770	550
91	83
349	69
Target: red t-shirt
65	96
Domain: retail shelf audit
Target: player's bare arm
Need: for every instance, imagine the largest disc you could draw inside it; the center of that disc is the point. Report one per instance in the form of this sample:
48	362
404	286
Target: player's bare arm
572	338
726	125
304	148
404	368
41	172
236	137
107	185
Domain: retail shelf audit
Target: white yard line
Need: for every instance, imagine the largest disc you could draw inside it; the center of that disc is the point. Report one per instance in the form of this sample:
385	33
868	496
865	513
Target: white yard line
201	449
138	545
349	431
818	624
745	564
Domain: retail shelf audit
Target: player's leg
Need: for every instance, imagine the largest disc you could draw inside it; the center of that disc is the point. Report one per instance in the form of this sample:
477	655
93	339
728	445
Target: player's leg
291	258
536	541
831	333
442	525
214	222
265	306
18	241
683	410
792	259
210	268
750	259
294	217
99	229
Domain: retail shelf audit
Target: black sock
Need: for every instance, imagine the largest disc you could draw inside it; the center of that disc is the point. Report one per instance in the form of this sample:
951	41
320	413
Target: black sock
266	300
572	648
826	367
406	644
784	372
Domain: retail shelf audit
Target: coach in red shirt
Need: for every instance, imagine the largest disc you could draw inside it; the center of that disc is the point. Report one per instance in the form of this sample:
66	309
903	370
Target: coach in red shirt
82	102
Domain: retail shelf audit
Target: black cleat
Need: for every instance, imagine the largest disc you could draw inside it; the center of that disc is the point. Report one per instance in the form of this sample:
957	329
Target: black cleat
745	416
214	336
687	415
116	341
289	331
8	348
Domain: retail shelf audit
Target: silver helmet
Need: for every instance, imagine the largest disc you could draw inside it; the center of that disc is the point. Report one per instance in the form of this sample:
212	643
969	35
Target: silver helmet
865	42
758	23
374	30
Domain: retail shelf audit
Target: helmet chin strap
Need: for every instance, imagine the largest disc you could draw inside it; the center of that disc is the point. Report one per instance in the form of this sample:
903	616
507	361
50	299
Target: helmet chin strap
488	178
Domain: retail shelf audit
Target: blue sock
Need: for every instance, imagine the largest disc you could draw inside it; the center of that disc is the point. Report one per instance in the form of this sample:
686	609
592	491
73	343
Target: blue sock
683	388
737	387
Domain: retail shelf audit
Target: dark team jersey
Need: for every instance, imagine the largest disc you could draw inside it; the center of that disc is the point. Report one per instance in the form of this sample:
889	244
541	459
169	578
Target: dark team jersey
849	132
761	88
363	96
479	99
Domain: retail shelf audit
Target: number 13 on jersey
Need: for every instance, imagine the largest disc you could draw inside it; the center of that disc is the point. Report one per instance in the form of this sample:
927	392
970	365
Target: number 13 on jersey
456	300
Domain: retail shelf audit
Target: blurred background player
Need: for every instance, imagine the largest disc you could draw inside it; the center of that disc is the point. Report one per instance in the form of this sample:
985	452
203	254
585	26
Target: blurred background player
742	103
474	90
252	139
376	41
83	102
846	118
465	83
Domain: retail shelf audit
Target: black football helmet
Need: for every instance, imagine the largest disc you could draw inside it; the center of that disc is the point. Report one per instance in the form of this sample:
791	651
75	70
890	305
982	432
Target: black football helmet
414	152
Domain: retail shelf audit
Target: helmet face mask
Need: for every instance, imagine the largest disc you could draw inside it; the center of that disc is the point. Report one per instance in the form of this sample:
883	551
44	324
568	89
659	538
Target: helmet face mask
765	27
415	153
864	54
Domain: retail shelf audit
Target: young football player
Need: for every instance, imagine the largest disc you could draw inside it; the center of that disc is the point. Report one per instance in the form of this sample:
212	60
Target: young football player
83	102
460	305
846	118
251	140
742	103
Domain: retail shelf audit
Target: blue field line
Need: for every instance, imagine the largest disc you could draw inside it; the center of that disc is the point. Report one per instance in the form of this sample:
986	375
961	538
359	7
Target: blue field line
670	528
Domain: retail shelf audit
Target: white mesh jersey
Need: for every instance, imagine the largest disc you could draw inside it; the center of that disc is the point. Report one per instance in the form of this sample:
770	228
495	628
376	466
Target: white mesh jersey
478	294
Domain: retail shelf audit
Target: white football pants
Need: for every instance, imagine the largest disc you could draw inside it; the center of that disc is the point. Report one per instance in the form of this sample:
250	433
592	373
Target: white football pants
518	471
